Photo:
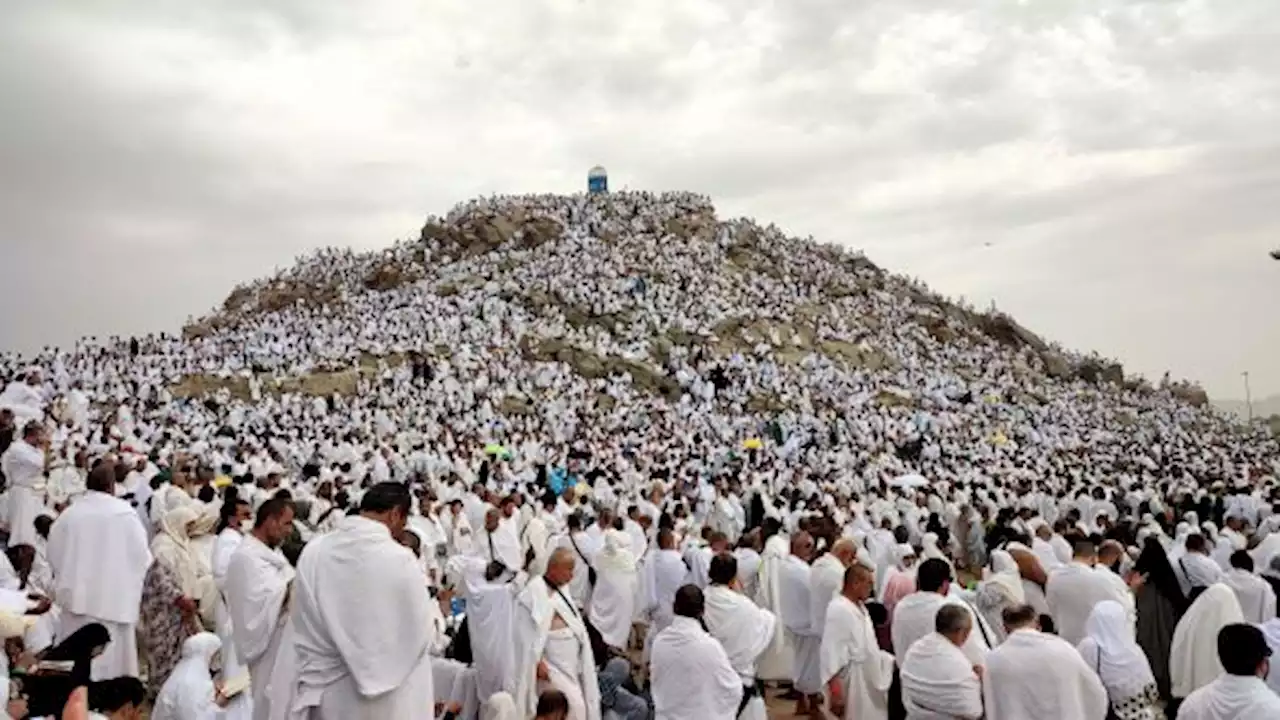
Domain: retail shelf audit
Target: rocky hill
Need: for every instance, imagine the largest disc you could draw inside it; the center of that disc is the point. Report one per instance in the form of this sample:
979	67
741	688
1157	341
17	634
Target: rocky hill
792	295
643	318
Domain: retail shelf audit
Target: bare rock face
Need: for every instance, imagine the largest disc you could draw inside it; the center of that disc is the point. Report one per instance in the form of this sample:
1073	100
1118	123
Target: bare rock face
1190	393
1096	372
477	233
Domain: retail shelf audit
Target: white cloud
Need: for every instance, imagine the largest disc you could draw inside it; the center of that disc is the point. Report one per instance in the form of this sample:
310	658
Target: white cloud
1104	169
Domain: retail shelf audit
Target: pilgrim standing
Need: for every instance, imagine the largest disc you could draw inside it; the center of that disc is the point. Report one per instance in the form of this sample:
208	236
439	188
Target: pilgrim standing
691	676
797	611
99	555
938	681
855	671
23	466
614	598
258	588
361	627
744	629
553	648
1239	693
1014	686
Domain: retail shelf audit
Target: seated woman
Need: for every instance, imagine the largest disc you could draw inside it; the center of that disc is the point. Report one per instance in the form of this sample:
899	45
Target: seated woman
190	693
46	687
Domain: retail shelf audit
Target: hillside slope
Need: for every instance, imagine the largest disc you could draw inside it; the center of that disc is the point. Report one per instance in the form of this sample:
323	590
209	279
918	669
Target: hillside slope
643	325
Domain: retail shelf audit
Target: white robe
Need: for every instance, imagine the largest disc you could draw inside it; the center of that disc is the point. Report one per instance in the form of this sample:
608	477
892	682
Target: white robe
666	575
1015	687
914	618
99	556
240	707
1072	591
691	677
613	600
361	627
23	467
188	694
562	644
501	545
255	589
850	654
745	631
1256	597
1193	655
1232	697
776	663
826	577
938	682
491	609
805	638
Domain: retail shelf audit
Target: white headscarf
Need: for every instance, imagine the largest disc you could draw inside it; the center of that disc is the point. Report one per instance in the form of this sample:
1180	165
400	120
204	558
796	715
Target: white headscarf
1108	647
188	693
1004	573
499	706
930	549
1193	657
616	555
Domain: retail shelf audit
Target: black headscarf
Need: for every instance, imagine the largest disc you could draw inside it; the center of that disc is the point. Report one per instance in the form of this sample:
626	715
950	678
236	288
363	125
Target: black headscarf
48	693
1153	563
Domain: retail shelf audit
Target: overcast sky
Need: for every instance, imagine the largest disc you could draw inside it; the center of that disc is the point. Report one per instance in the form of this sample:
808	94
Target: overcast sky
1106	170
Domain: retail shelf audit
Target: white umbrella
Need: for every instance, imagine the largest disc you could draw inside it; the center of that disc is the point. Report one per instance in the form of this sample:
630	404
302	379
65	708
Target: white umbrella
912	480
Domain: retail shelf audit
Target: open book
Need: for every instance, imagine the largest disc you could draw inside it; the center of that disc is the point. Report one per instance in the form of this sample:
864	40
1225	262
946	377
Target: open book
236	685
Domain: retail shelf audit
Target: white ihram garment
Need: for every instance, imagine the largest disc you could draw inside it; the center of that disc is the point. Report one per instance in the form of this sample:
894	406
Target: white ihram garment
613	600
849	653
99	556
939	683
361	629
1193	656
23	467
745	631
550	629
241	706
778	659
805	639
692	678
255	588
1014	687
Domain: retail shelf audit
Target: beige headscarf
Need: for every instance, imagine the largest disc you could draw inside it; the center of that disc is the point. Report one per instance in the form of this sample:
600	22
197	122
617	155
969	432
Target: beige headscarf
172	547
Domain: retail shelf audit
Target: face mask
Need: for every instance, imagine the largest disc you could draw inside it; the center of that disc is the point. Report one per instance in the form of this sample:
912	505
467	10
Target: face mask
246	526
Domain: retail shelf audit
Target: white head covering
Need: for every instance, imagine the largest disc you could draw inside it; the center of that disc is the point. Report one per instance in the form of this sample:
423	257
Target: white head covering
616	555
1109	648
1193	657
901	552
499	706
1004	573
930	547
188	693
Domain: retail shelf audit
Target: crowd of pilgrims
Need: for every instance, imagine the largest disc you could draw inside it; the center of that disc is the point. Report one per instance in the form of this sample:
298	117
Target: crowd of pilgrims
425	547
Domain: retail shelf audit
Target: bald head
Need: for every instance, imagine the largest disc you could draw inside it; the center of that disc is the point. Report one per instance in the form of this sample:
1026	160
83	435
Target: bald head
859	581
559	568
802	545
846	551
1109	552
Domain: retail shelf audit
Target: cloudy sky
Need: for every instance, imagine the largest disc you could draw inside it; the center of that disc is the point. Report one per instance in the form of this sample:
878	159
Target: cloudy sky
1106	170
